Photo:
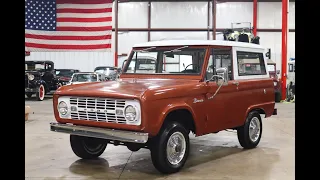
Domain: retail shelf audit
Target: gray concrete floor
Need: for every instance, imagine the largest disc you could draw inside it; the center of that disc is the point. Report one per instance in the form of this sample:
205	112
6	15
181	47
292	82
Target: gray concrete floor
216	156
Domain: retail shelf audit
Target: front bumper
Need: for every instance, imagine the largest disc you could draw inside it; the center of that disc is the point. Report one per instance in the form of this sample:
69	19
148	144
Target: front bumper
103	133
32	90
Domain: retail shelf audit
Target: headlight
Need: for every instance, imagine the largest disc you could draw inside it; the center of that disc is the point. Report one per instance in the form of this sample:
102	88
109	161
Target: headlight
275	83
130	113
31	77
63	108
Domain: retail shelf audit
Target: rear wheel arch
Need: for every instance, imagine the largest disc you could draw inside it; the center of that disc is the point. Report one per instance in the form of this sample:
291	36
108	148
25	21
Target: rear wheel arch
254	109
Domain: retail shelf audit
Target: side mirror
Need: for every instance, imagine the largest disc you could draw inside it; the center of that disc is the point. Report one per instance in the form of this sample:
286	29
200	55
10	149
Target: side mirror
223	76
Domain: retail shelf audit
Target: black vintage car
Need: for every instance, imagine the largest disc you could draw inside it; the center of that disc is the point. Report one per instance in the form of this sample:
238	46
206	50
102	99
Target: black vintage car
40	78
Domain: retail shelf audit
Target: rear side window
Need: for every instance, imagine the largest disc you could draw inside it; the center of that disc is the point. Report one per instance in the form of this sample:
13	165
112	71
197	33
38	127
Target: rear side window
250	63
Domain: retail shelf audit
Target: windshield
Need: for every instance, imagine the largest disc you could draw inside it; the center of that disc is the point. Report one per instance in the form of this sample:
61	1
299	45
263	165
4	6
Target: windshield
84	78
34	66
173	60
271	68
65	73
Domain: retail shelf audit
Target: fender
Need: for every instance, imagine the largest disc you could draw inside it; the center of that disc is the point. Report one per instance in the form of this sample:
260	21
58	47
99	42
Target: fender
39	82
265	108
177	106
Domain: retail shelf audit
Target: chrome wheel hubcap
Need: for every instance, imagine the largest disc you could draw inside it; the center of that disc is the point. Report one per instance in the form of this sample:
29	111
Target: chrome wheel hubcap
254	129
176	148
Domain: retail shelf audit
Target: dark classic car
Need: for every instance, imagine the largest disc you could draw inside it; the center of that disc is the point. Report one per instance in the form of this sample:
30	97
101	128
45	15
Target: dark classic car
65	75
40	78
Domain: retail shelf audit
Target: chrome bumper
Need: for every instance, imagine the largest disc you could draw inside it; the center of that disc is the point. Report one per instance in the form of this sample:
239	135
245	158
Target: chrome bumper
103	133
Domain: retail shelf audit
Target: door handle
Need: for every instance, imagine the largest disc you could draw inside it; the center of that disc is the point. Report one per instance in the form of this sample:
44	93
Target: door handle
235	83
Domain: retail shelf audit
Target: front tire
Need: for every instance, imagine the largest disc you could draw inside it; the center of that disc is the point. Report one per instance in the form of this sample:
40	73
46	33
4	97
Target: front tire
41	92
87	147
170	149
249	134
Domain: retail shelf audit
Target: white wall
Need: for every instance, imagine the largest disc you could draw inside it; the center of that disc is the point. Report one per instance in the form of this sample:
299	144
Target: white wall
180	15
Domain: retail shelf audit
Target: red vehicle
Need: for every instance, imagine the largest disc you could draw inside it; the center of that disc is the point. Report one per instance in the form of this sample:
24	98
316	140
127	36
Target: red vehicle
273	72
65	74
203	87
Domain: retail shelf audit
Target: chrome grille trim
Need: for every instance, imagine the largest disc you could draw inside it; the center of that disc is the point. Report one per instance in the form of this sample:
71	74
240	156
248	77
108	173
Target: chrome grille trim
98	109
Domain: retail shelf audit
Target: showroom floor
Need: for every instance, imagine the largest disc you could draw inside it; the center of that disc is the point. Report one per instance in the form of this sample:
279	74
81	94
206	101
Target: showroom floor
215	156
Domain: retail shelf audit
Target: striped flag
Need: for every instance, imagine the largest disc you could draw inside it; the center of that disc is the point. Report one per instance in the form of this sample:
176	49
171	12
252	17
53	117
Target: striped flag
68	25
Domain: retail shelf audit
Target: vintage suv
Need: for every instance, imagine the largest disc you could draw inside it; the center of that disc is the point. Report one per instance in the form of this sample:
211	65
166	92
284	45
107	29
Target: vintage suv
198	86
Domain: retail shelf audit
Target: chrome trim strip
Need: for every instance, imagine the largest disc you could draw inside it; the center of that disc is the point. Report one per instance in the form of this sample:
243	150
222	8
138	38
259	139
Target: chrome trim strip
103	133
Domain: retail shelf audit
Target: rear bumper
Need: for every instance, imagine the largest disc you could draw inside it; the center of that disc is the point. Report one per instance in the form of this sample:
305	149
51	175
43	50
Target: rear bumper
103	133
275	111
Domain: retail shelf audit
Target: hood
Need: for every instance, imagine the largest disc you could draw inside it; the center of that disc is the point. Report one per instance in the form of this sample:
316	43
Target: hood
126	88
36	74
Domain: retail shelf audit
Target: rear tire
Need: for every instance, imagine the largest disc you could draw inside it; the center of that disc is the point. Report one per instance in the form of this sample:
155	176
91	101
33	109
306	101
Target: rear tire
249	134
170	149
87	147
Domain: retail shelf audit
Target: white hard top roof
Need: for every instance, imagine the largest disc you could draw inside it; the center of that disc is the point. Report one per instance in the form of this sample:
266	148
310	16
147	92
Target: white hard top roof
198	42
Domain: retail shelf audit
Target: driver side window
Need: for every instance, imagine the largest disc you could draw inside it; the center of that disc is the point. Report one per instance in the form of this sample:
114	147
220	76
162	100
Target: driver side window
219	57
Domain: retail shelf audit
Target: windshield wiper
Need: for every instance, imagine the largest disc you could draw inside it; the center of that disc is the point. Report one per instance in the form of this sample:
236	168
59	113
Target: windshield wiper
145	50
176	50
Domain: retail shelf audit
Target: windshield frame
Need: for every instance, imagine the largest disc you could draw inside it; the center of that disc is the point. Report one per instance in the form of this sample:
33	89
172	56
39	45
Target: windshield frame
166	75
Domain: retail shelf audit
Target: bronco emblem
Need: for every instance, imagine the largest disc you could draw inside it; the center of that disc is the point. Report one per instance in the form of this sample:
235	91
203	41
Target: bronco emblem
195	100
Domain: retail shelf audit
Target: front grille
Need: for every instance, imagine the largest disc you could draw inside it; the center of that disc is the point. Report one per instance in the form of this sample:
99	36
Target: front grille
97	109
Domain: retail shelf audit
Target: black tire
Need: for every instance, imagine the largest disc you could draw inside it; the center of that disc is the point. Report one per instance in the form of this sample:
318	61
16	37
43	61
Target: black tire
29	95
159	148
41	92
277	96
81	146
244	134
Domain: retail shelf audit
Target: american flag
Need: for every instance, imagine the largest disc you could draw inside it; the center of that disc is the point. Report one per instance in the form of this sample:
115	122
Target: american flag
68	25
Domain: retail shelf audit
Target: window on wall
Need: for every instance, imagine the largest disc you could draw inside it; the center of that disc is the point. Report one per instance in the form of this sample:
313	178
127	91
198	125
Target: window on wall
250	63
219	57
291	68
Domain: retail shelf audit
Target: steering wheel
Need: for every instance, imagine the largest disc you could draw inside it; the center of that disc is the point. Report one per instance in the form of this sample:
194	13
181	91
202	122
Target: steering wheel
191	70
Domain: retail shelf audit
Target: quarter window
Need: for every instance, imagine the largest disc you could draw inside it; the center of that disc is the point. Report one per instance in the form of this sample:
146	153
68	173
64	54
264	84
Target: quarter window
250	63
